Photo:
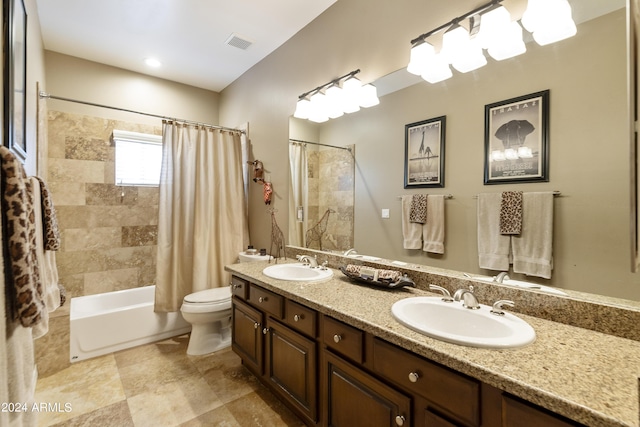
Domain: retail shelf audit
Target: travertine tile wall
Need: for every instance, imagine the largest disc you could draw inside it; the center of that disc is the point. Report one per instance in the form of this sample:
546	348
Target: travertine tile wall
108	233
331	186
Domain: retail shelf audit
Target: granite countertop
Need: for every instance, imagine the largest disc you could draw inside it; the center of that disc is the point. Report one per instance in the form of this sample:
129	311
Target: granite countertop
588	376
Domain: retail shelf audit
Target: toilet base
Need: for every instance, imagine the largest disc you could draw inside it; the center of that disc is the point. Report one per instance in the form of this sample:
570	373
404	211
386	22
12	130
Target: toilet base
208	337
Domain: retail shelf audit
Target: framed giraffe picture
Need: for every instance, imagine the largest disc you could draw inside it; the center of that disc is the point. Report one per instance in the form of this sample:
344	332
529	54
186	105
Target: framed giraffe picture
424	153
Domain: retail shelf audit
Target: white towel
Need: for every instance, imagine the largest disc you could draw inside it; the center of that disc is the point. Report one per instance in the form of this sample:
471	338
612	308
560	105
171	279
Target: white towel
433	229
411	231
532	249
493	248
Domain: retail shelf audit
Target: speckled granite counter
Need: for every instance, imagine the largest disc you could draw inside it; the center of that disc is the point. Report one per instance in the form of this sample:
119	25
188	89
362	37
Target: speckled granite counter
584	375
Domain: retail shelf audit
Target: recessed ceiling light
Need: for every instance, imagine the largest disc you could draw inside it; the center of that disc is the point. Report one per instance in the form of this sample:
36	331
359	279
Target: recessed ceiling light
152	62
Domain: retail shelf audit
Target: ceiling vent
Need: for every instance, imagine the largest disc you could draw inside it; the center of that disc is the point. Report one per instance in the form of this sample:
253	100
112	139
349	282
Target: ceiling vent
237	41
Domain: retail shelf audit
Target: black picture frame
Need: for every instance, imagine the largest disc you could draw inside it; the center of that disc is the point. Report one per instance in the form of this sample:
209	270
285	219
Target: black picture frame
424	144
15	76
516	140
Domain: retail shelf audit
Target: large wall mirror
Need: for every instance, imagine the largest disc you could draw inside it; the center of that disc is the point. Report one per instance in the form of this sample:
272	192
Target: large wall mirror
589	140
321	190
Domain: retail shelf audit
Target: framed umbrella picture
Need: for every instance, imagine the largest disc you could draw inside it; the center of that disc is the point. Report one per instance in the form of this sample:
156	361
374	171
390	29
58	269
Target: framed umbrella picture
516	140
424	153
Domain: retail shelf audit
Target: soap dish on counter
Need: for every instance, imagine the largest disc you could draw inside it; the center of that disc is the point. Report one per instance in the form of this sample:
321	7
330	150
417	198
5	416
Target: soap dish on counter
388	279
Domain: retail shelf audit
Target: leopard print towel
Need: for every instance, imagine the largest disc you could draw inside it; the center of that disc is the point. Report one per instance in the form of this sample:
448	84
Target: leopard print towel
511	213
50	228
23	287
418	210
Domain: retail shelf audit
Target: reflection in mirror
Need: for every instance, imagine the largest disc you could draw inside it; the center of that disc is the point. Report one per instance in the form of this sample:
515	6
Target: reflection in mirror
589	152
321	191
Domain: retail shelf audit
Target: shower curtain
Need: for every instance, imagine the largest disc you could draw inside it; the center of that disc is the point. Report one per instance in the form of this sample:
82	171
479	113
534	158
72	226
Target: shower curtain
297	193
202	218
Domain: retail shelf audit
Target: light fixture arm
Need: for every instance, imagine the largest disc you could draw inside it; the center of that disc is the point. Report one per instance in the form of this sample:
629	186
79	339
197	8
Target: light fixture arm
454	21
334	81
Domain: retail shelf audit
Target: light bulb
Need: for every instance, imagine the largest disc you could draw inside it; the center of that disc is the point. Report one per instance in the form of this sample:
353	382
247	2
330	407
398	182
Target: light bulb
351	98
463	52
368	96
437	69
334	96
303	107
421	54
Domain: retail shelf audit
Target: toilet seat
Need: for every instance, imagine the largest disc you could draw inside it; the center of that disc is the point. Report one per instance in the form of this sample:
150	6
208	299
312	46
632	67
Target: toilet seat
210	300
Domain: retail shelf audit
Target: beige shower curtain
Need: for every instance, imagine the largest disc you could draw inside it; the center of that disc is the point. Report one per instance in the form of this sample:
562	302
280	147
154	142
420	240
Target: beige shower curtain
298	187
202	220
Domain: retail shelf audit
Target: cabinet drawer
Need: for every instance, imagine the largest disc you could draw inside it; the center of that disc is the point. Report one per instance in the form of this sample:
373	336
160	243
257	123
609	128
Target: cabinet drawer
239	287
435	383
343	338
266	300
301	318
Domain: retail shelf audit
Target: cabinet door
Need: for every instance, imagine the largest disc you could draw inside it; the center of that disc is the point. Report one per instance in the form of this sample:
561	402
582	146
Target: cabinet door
353	398
291	367
246	335
517	413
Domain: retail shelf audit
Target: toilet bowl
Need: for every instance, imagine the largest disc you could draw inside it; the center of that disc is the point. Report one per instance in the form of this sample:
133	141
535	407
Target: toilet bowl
209	313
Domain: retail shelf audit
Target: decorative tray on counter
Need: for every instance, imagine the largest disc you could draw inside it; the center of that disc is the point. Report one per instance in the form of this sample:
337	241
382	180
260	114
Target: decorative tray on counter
388	279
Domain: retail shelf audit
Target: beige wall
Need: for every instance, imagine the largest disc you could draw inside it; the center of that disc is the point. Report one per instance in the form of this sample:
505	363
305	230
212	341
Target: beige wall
83	80
589	146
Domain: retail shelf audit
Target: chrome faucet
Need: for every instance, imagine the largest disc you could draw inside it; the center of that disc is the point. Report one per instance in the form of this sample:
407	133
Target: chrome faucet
501	277
349	252
308	260
468	298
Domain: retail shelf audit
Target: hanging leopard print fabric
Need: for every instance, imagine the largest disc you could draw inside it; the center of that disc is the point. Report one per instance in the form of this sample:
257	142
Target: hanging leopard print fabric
51	231
22	279
511	213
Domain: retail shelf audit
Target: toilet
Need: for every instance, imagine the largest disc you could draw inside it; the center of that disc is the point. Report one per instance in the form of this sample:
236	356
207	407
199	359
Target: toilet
209	313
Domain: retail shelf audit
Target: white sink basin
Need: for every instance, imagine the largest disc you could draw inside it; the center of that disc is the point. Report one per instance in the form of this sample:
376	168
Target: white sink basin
522	284
297	273
451	322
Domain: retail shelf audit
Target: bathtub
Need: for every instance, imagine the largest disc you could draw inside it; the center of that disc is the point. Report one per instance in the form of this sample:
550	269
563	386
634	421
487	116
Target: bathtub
112	321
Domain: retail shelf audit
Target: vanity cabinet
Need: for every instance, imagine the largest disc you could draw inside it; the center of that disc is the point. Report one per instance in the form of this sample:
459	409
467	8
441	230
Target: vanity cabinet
334	374
354	398
276	340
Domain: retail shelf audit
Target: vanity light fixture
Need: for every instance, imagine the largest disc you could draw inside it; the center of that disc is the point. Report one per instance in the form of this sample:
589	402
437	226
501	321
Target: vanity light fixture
489	27
346	94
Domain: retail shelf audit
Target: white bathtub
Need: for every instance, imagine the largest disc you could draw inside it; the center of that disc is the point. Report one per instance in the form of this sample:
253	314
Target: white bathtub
112	321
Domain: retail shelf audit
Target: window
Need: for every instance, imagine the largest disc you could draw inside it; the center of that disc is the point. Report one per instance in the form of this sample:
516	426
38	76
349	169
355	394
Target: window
138	158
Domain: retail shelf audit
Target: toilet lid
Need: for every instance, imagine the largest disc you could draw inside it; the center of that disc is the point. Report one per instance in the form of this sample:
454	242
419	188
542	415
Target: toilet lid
209	295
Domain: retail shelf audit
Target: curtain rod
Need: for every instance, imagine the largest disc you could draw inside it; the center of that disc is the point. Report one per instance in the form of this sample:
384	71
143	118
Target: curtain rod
43	94
317	143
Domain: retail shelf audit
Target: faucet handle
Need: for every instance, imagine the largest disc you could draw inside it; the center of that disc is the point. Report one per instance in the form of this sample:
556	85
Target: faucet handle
446	296
497	306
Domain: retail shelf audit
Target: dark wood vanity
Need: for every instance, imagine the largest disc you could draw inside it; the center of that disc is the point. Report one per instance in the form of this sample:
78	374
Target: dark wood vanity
334	374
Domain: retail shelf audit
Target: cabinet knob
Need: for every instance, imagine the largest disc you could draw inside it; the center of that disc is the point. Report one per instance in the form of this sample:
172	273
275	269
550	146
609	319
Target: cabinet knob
264	331
296	318
262	299
256	325
414	377
400	420
337	338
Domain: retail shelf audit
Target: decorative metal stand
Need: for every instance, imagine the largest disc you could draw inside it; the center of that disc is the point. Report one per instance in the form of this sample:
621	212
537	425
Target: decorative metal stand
277	237
316	233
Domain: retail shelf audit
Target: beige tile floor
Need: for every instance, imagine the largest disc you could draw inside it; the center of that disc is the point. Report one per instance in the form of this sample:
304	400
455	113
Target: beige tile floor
159	385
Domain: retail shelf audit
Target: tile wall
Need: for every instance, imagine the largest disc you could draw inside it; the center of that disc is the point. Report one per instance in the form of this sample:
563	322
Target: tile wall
331	186
108	233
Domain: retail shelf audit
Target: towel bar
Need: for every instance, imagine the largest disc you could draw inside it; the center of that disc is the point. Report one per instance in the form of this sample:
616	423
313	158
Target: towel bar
446	196
556	193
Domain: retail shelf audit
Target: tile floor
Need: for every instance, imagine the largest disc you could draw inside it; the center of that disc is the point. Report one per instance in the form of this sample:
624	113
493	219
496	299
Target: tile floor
159	385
